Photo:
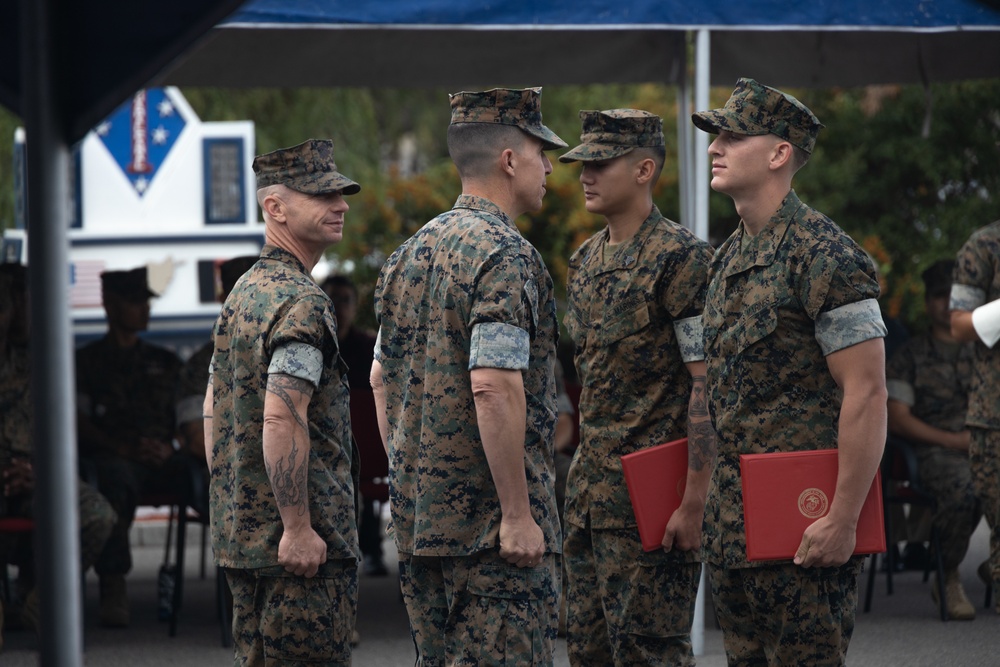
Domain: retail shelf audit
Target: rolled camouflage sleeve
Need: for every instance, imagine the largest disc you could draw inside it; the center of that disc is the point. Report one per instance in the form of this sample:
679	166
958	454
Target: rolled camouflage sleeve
298	360
849	325
966	297
498	345
504	312
841	294
690	338
297	340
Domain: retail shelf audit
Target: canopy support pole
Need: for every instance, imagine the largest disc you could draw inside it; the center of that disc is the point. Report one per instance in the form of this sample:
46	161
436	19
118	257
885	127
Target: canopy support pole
53	427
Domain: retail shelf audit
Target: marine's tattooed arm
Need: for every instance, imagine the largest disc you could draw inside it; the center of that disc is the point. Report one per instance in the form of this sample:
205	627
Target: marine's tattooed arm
702	446
684	529
286	442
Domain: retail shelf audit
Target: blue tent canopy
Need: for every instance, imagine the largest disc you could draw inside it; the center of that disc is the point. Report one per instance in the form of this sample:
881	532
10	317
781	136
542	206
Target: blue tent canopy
407	43
676	14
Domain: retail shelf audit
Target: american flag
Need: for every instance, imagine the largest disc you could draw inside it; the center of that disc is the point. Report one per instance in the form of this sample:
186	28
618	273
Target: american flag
85	283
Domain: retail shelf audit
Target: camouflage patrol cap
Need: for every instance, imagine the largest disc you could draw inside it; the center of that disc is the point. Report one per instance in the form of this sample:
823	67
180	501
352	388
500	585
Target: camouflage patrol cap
609	134
131	285
938	277
756	109
17	273
506	106
308	168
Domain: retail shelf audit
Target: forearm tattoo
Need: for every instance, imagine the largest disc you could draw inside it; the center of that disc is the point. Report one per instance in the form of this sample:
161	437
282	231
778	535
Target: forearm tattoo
702	447
288	474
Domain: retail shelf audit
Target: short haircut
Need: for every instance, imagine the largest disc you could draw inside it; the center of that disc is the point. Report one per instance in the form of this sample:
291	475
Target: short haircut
267	190
658	154
799	157
473	147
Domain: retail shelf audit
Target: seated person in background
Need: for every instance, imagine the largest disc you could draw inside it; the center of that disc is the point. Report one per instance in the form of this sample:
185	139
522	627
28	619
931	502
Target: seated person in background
928	385
17	477
191	389
357	348
126	391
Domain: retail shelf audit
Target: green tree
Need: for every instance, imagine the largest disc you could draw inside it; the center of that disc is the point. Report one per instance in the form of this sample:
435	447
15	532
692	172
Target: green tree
908	172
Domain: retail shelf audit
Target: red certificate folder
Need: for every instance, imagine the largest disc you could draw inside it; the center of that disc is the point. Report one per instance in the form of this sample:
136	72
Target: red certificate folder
656	478
783	493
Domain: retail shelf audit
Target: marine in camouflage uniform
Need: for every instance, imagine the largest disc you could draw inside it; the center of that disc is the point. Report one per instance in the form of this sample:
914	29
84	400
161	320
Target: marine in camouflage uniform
635	293
928	383
463	376
125	403
283	466
795	362
96	515
975	295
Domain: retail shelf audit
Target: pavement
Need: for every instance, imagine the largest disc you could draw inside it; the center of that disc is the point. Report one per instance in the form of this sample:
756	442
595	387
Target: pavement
902	629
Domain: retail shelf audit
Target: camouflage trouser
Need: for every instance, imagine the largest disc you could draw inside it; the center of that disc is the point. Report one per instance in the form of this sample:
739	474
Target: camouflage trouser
282	619
784	614
984	458
479	610
945	473
96	521
625	606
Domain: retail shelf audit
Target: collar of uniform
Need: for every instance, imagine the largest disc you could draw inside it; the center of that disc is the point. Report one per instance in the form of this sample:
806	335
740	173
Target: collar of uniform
279	254
761	249
475	203
627	254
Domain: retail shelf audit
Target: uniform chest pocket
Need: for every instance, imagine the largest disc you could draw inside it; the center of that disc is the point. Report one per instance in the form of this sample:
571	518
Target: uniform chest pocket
756	324
625	320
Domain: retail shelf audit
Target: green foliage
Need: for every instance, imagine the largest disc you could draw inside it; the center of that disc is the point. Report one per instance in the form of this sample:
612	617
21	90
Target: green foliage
8	121
909	173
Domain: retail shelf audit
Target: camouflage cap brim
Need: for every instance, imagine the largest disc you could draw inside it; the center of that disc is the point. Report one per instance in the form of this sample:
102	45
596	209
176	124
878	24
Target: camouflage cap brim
719	119
324	183
550	140
595	152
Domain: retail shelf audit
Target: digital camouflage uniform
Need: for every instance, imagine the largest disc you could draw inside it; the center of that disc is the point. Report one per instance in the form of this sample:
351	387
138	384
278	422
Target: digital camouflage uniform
976	282
800	290
128	394
932	377
634	315
778	303
276	304
467	291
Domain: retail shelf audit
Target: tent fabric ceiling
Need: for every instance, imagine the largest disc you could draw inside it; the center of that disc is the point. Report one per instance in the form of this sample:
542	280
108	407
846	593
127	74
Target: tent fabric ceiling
417	43
428	58
103	52
677	14
824	59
